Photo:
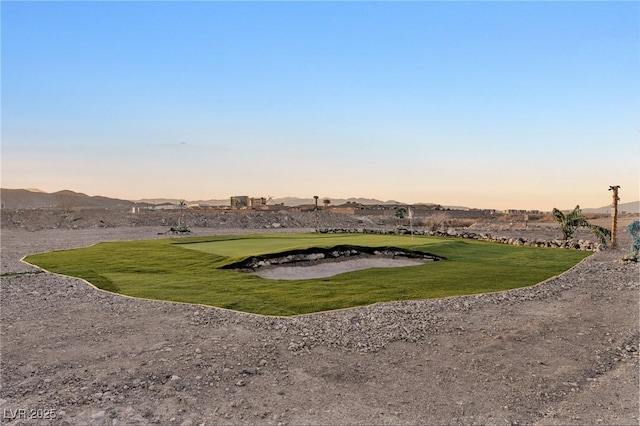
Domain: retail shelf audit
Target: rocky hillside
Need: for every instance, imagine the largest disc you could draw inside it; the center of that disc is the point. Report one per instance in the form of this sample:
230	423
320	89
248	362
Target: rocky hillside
34	220
63	200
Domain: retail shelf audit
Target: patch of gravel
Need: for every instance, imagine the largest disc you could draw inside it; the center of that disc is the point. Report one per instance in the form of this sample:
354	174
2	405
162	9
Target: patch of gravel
562	352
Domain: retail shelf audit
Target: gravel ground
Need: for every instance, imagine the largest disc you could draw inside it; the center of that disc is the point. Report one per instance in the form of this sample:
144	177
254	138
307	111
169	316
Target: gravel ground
562	352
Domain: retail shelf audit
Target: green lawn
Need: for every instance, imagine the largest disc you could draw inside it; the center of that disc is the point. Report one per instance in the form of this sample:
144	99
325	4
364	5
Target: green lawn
188	270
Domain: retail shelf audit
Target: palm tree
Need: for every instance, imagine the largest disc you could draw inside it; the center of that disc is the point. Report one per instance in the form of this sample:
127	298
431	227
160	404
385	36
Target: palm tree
182	205
573	220
401	213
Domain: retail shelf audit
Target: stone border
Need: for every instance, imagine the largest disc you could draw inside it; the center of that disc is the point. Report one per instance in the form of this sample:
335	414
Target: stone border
584	245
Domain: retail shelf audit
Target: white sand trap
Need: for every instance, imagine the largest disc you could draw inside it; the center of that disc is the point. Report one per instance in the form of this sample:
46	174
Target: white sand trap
328	269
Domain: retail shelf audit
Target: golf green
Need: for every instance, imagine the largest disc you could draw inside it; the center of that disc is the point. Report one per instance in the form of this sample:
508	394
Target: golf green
190	270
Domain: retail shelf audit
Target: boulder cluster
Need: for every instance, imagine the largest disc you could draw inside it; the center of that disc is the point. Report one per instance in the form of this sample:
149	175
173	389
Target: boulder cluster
316	255
580	244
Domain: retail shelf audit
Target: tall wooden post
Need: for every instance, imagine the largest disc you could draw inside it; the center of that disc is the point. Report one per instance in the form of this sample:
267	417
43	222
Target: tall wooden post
614	215
316	210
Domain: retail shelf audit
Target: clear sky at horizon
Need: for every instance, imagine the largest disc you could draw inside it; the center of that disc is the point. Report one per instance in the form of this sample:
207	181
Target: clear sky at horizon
529	105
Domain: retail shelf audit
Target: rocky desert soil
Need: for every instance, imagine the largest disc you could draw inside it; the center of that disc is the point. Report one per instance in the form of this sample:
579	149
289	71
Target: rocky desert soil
562	352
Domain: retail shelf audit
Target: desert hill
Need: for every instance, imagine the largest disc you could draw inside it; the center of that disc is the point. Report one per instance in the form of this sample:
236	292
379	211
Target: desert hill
630	207
65	199
33	198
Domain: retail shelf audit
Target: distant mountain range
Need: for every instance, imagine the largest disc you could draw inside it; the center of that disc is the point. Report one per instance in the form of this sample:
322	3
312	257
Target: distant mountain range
35	198
630	207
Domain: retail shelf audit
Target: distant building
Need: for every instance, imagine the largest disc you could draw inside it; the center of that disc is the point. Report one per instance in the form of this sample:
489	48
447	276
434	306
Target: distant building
166	206
514	211
245	202
240	202
258	203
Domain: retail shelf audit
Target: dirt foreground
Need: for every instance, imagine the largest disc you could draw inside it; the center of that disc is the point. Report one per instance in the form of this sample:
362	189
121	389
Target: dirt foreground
562	352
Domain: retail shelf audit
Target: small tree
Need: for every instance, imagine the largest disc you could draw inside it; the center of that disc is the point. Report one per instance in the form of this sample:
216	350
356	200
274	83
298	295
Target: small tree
401	213
66	201
181	223
634	230
573	220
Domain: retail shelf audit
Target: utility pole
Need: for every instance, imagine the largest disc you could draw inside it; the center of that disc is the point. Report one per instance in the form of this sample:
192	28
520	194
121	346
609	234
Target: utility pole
614	215
316	210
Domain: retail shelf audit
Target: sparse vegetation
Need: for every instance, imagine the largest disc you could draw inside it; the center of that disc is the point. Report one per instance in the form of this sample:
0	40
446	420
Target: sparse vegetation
436	222
634	231
400	215
575	219
65	201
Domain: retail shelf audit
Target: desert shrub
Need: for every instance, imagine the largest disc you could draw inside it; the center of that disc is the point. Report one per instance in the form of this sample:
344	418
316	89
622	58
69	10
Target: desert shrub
435	222
462	223
634	230
592	216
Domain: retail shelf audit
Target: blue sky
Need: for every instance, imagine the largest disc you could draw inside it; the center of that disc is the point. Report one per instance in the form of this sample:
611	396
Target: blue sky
486	104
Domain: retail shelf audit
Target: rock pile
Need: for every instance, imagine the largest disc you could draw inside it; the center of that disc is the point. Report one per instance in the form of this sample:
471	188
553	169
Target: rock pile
38	219
579	244
316	255
561	352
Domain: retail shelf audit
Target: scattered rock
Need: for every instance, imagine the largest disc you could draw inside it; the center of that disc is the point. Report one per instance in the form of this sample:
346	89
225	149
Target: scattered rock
103	357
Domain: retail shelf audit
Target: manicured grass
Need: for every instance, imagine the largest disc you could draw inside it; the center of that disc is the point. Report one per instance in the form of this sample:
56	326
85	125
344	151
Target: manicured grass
188	270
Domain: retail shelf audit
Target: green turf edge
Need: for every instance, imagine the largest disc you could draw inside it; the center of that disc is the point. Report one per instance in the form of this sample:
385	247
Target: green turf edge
190	276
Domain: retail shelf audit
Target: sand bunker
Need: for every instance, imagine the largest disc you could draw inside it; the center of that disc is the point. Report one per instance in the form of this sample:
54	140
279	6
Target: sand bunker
316	262
328	269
